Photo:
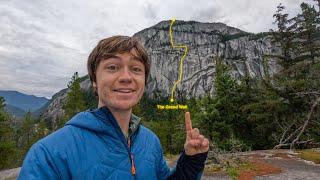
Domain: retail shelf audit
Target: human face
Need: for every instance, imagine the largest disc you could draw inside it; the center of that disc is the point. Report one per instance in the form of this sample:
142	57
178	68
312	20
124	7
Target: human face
120	81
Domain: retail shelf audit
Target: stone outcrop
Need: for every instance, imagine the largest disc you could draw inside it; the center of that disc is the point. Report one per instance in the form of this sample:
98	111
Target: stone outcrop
243	52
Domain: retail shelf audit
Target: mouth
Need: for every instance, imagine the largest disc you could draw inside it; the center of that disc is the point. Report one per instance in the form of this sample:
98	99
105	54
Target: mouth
124	90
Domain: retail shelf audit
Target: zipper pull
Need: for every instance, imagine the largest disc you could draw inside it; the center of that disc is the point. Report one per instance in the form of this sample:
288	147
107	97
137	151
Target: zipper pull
133	168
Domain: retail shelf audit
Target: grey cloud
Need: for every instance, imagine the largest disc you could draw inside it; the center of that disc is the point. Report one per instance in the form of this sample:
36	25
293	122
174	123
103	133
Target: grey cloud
43	42
209	14
150	11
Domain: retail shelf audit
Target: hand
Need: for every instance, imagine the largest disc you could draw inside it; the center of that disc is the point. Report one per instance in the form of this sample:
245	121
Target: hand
195	142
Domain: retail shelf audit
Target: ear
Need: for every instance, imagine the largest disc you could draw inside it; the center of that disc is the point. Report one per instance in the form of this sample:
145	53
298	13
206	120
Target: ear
95	89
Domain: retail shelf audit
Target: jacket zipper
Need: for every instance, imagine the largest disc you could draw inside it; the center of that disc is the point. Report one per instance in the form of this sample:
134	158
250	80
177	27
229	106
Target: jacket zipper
131	157
133	168
127	144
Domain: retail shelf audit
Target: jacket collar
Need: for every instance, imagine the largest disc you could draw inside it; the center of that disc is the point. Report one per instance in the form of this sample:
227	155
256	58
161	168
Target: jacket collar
104	113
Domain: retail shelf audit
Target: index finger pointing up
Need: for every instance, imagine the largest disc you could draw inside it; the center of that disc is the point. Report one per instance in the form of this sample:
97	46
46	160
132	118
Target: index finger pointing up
188	123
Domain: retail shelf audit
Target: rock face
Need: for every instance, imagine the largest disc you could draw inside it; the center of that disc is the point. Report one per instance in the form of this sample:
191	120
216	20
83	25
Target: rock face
243	51
206	41
54	110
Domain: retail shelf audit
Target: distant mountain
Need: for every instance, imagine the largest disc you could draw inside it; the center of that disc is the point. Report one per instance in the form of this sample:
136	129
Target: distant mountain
17	101
19	113
51	107
242	51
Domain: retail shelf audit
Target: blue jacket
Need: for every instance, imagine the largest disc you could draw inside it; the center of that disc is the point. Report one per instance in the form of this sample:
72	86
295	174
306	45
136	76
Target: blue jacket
92	146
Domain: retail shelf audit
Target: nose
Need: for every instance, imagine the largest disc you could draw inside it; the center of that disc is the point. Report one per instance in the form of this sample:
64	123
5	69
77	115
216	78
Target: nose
125	76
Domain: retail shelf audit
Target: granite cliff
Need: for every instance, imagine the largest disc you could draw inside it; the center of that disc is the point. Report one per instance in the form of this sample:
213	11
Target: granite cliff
242	51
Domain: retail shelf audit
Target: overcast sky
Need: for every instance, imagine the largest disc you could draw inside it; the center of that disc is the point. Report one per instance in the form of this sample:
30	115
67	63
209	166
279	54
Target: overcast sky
43	42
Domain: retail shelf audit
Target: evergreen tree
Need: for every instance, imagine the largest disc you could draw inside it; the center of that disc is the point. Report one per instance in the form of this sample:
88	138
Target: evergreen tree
7	144
75	100
284	36
292	93
27	129
2	103
219	116
308	32
90	99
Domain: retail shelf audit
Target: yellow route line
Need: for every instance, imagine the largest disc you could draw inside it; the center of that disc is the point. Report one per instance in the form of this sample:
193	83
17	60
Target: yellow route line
181	59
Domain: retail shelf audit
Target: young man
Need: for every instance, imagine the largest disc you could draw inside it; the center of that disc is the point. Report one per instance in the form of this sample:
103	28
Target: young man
109	142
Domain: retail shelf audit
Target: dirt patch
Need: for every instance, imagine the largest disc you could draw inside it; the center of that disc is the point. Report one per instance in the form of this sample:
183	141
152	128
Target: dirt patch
259	168
256	156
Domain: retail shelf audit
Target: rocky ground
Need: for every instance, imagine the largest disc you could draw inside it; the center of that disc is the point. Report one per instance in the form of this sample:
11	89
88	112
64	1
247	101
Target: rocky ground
293	168
276	165
270	164
9	174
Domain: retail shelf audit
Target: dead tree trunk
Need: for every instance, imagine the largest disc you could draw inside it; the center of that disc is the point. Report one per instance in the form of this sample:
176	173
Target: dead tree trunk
306	123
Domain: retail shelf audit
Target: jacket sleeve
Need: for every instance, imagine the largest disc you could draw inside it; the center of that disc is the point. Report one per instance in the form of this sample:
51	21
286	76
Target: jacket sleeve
189	167
163	169
38	164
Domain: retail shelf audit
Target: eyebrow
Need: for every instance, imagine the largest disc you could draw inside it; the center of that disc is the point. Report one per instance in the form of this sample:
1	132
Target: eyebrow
132	58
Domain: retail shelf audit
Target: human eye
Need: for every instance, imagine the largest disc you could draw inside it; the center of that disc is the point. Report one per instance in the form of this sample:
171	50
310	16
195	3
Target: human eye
137	69
112	67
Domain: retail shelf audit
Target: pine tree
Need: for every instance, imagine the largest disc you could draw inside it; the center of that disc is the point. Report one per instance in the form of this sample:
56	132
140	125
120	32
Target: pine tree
27	129
308	32
284	36
75	100
2	103
7	145
219	117
293	90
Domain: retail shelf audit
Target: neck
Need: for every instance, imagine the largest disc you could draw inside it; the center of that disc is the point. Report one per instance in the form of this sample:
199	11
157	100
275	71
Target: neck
123	119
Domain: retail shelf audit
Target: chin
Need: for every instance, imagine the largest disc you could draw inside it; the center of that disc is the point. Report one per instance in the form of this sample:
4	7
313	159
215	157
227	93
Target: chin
123	105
